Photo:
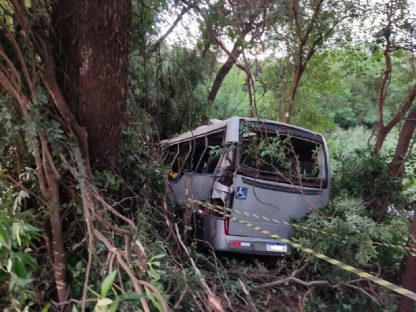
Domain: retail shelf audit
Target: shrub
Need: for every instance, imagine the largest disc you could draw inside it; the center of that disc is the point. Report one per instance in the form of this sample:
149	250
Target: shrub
363	175
347	233
17	237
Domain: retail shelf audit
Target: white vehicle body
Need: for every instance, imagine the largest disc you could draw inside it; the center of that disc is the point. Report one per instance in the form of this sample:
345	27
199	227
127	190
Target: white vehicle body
266	191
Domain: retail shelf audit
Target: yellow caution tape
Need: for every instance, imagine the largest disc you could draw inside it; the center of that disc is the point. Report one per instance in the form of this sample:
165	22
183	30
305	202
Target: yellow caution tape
346	267
411	250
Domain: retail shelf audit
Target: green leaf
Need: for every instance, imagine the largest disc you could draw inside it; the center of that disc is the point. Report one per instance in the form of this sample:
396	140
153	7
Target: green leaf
31	228
131	296
9	265
46	308
23	281
3	239
94	292
154	300
15	230
19	268
104	302
108	281
115	305
160	256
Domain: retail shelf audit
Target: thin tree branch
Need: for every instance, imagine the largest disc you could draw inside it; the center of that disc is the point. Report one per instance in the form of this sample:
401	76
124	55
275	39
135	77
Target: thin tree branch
18	184
19	57
213	301
405	107
171	28
291	279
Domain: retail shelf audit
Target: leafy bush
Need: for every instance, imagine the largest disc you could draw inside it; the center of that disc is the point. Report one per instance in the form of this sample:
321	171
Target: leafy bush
345	117
363	175
17	237
170	88
346	231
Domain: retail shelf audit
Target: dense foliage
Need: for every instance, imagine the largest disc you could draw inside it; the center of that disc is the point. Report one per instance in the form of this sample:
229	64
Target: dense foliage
339	94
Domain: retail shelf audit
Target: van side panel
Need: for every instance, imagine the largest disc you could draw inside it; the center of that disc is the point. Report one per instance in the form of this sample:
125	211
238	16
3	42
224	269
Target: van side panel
199	186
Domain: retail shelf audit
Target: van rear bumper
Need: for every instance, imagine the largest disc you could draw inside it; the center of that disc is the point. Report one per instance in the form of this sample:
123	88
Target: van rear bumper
247	244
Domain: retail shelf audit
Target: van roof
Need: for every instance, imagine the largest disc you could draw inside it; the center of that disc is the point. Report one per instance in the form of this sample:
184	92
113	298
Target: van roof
232	136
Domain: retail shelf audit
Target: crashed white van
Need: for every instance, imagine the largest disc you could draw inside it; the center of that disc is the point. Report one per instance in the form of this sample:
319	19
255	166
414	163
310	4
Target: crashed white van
268	171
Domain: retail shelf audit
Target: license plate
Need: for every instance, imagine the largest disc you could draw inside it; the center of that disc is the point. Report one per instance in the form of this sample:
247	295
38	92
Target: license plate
276	247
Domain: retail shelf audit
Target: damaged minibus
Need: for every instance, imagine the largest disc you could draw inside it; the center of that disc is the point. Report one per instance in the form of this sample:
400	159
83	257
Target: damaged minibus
260	171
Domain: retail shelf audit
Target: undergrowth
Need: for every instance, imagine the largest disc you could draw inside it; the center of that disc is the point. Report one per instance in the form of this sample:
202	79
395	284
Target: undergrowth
344	230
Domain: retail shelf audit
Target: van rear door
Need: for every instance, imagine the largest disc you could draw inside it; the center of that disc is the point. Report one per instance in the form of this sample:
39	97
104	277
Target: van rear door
282	174
271	206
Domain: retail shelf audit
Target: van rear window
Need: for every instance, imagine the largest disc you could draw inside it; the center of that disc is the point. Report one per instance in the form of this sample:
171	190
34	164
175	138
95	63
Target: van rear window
281	157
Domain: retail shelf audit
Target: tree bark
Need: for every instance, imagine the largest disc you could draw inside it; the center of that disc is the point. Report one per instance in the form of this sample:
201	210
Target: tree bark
293	89
93	45
381	133
396	165
383	130
396	168
302	59
224	70
59	262
409	277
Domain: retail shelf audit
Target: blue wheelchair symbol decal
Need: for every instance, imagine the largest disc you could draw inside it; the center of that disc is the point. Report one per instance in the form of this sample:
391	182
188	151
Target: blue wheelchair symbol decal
241	192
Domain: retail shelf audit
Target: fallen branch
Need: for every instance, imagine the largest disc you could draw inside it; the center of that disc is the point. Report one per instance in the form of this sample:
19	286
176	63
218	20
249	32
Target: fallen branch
289	279
213	301
364	292
247	294
137	287
182	295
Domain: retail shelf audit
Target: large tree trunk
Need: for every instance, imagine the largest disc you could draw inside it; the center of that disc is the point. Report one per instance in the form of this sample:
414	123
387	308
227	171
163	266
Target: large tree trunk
396	168
93	44
409	277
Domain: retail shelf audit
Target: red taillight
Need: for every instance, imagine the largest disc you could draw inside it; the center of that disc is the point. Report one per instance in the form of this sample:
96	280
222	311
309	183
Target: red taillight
226	226
236	244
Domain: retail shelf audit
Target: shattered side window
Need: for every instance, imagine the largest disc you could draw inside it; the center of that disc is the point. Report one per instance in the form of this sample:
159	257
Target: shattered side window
199	148
209	160
170	154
